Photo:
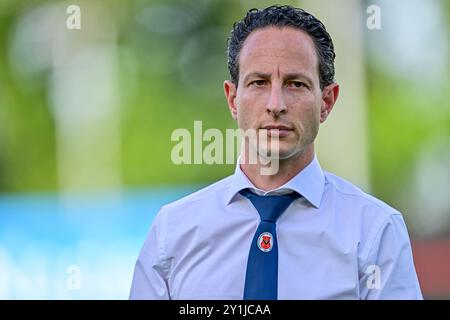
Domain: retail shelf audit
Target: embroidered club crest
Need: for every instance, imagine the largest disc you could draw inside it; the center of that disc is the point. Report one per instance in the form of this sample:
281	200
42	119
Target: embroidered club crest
265	241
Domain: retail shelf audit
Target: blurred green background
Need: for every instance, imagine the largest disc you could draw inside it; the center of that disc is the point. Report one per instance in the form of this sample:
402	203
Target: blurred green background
93	109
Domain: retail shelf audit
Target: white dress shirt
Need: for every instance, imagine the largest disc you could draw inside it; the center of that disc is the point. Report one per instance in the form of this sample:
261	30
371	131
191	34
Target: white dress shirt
336	242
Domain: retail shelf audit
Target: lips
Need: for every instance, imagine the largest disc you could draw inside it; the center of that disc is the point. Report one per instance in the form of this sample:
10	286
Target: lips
277	130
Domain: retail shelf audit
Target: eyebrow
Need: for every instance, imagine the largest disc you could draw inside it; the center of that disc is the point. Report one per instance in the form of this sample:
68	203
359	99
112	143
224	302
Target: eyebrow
289	76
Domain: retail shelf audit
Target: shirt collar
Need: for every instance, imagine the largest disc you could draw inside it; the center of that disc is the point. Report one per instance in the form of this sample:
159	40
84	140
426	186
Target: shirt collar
310	183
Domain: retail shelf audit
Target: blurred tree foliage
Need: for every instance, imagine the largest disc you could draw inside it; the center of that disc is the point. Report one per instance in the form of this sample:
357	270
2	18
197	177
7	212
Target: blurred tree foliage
408	111
27	148
172	63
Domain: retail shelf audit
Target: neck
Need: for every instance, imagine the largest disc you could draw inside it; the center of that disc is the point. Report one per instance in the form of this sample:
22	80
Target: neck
288	168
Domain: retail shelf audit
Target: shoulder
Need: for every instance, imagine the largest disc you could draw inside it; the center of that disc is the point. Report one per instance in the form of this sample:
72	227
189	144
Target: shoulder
355	198
373	217
195	203
178	219
204	194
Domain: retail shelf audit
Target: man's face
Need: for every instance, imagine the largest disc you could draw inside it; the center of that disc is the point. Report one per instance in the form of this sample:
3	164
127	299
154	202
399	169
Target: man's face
279	88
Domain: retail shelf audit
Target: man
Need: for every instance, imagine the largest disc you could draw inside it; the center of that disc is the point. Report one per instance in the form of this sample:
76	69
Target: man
300	233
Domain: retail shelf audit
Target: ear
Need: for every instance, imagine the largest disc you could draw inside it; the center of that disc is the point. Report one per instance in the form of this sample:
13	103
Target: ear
329	96
230	94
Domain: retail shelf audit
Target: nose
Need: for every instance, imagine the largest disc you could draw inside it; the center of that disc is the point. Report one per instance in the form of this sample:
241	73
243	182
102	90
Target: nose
276	105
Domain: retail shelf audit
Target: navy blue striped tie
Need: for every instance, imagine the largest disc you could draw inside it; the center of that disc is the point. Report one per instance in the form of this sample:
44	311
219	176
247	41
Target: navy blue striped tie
261	279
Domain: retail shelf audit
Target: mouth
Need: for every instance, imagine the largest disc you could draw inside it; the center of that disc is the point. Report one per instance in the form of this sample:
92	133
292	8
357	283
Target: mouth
278	130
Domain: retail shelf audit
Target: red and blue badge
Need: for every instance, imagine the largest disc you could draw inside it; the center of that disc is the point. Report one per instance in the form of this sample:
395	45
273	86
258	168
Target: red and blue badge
265	241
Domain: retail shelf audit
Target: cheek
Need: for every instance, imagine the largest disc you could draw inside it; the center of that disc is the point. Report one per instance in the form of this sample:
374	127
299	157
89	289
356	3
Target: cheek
314	118
242	116
248	108
307	106
307	111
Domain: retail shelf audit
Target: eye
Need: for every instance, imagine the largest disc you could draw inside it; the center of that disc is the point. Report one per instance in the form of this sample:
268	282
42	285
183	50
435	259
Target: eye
259	83
297	84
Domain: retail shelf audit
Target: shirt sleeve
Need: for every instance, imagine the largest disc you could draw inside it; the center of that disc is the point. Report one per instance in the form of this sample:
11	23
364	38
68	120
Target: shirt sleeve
151	269
389	272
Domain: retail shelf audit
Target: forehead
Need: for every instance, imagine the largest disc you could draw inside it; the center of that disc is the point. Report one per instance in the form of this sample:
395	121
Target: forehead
286	48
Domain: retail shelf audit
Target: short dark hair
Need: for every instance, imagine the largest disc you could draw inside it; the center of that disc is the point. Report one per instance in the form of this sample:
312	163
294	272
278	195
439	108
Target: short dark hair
283	16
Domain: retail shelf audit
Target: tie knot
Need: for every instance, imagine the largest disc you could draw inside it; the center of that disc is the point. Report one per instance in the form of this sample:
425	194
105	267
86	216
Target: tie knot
270	208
